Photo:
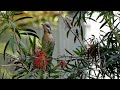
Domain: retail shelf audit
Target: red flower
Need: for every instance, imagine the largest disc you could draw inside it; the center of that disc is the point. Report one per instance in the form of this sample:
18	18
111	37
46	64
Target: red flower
40	61
37	53
43	53
63	63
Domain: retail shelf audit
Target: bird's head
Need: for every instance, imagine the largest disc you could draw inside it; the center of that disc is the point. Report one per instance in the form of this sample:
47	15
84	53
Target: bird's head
47	28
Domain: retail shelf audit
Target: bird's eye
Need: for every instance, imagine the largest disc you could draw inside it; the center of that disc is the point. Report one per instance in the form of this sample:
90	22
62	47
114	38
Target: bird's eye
48	26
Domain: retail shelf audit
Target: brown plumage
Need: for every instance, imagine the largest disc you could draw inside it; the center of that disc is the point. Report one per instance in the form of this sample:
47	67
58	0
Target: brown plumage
48	41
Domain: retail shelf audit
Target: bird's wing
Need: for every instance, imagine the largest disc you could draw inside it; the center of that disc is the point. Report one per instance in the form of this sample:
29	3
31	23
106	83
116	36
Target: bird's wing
48	46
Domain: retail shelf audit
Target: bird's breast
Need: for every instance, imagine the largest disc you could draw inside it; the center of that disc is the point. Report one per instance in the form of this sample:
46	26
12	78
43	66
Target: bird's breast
48	37
48	40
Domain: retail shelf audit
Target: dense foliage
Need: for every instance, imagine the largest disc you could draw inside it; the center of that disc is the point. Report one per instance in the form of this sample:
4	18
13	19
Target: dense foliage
96	60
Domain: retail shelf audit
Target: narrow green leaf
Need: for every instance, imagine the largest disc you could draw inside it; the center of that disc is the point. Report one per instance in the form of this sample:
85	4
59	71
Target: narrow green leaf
21	75
31	34
79	19
74	17
81	32
98	74
68	33
68	52
3	29
17	32
116	26
102	31
21	71
92	19
53	71
101	20
99	15
21	43
55	67
14	76
12	43
31	45
30	41
103	24
23	49
77	33
108	33
83	17
101	40
34	43
12	24
75	63
67	70
76	23
17	68
18	13
91	13
40	74
72	65
55	76
6	48
75	38
85	64
29	30
22	18
76	52
115	20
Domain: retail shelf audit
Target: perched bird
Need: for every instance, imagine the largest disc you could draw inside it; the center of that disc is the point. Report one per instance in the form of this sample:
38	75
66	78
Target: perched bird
48	41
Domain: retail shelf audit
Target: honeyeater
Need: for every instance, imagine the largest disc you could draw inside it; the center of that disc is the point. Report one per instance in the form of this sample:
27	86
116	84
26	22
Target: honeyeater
48	41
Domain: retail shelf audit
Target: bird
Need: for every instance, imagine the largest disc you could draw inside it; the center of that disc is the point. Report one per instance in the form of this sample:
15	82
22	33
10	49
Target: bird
48	41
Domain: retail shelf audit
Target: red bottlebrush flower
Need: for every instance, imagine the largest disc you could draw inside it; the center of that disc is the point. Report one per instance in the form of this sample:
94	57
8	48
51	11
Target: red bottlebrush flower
40	61
63	64
43	53
37	51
